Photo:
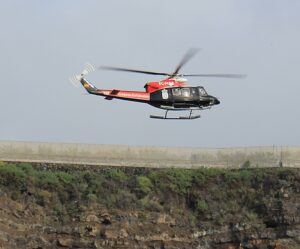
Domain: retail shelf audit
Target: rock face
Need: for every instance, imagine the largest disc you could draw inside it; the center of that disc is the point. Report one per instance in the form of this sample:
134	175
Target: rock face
36	216
20	230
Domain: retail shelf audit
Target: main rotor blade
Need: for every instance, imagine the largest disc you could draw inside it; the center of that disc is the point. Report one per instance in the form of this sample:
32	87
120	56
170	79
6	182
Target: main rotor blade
189	54
132	70
235	76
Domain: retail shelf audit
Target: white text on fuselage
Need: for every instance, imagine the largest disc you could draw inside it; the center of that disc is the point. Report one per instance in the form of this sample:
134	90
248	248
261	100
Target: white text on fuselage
123	94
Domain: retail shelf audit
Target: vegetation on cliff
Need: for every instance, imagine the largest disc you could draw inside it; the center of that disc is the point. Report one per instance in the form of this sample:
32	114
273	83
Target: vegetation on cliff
207	194
198	199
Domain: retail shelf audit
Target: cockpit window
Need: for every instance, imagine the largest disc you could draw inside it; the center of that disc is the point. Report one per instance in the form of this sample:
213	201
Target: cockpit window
202	91
176	91
185	92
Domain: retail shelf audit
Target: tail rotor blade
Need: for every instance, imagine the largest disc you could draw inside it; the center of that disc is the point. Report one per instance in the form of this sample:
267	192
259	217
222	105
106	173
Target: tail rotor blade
75	80
88	68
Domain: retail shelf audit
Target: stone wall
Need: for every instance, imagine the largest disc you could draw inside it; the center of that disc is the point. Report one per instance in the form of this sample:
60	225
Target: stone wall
147	156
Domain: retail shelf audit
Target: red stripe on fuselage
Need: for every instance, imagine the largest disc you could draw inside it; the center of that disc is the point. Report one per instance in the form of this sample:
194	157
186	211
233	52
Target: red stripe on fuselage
130	95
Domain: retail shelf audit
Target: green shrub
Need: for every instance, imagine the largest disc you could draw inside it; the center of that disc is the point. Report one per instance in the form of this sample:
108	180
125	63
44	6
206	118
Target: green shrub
201	206
12	170
251	216
202	176
73	209
57	210
12	176
27	168
155	177
150	205
116	175
192	220
232	206
48	180
122	199
92	182
218	193
144	184
180	180
219	220
64	177
92	198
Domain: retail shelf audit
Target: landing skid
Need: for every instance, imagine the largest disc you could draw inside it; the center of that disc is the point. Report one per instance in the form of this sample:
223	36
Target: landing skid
180	117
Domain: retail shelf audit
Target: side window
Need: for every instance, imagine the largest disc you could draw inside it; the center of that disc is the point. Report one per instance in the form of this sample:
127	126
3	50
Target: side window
201	91
176	91
185	92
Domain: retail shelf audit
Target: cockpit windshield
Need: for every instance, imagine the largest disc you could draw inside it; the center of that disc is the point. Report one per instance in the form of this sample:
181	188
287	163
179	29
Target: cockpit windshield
202	91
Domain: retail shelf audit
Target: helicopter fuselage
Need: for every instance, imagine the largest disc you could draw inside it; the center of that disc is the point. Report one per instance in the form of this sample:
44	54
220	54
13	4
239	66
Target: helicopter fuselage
182	98
174	94
167	94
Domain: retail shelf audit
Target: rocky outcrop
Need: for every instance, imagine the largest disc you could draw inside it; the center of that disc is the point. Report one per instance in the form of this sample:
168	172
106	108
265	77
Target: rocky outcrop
23	226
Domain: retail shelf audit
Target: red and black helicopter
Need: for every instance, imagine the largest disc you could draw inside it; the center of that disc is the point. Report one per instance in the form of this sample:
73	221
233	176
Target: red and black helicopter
170	94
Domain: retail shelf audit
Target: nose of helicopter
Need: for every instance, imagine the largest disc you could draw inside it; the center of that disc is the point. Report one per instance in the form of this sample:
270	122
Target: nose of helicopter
213	100
216	101
209	100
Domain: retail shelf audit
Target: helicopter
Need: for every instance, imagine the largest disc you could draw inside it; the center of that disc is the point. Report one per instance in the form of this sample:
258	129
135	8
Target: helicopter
171	93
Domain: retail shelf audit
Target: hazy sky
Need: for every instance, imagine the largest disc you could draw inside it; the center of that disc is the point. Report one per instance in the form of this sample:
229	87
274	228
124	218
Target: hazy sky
42	43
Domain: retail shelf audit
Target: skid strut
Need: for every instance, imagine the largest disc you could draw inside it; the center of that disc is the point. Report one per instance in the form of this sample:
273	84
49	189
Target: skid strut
180	117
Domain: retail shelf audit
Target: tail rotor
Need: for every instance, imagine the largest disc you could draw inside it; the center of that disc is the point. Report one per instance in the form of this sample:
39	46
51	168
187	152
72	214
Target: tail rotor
75	80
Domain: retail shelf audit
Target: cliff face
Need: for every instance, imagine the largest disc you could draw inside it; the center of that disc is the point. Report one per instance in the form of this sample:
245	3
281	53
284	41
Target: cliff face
48	206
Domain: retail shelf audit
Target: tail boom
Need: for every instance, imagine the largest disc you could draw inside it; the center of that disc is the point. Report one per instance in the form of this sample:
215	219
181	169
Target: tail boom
136	96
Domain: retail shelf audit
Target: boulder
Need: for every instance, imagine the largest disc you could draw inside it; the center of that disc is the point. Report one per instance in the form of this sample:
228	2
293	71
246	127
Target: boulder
65	242
105	219
110	234
91	230
92	218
